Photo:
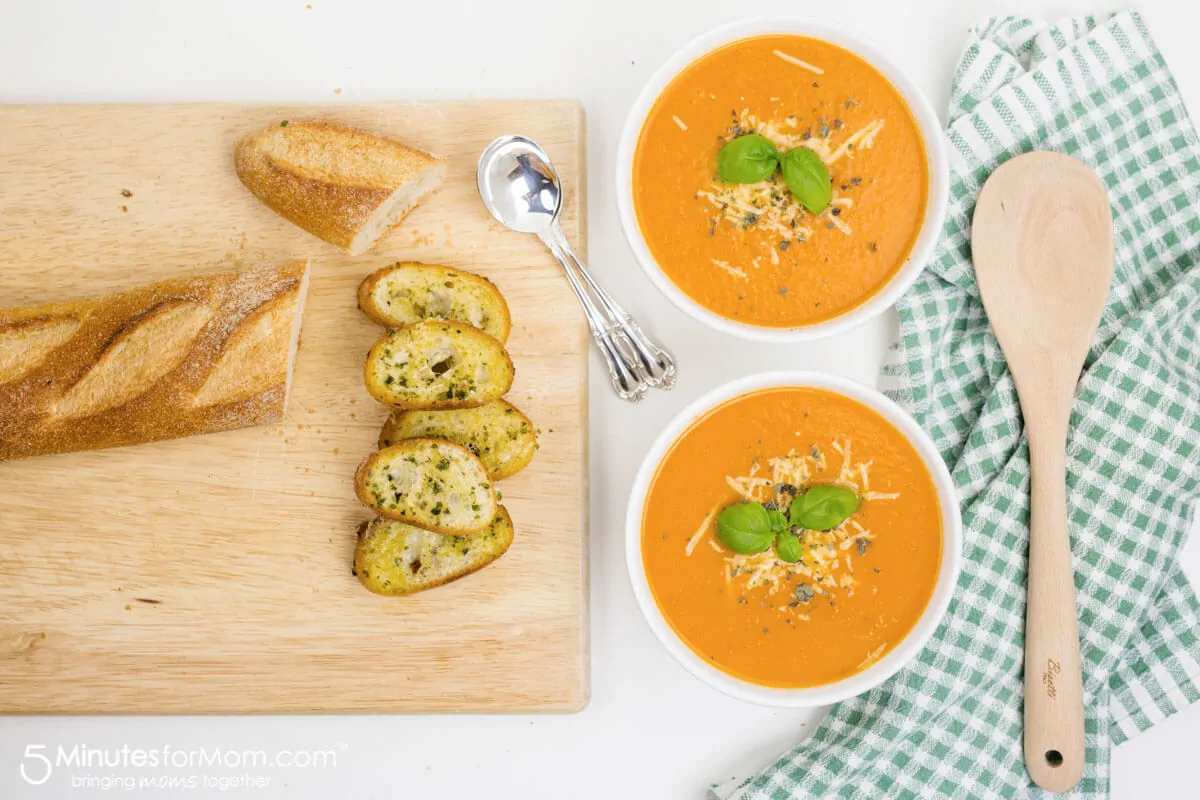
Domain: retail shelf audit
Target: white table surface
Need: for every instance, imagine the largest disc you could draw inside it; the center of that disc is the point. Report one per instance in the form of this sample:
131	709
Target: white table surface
651	732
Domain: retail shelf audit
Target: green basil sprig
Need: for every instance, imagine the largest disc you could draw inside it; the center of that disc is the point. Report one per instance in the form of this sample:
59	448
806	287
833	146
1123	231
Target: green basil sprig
807	176
749	528
753	158
823	507
747	159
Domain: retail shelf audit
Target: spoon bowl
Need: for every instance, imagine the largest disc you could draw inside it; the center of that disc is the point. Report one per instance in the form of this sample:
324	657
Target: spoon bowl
519	185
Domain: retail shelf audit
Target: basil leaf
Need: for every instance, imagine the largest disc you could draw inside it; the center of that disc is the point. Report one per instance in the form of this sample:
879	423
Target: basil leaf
747	159
745	528
823	507
787	547
806	175
778	521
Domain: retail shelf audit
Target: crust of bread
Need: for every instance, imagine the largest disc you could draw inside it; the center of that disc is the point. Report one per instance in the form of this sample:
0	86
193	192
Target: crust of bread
394	558
331	179
409	292
431	483
128	368
503	438
402	367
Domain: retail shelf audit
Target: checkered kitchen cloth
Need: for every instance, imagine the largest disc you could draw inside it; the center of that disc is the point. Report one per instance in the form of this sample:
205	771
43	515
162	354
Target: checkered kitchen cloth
950	725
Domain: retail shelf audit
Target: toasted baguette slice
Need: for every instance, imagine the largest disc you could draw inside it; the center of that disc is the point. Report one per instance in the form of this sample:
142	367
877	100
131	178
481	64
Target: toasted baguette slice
430	483
394	558
409	292
176	358
343	184
502	437
433	365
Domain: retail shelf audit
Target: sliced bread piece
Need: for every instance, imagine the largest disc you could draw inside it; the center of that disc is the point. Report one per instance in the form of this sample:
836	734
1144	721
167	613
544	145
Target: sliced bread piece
430	483
341	183
409	292
395	558
435	365
502	437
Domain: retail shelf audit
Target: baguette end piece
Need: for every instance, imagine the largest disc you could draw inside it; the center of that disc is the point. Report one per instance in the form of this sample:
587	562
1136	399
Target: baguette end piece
343	184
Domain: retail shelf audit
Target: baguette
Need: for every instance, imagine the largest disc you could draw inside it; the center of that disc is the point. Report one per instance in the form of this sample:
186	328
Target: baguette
433	484
502	437
436	365
409	292
176	358
344	184
395	558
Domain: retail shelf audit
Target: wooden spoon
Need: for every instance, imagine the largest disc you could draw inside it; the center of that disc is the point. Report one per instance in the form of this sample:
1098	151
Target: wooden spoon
1043	247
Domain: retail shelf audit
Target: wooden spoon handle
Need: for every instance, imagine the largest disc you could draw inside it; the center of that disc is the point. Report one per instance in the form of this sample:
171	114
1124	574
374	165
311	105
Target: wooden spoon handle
1054	751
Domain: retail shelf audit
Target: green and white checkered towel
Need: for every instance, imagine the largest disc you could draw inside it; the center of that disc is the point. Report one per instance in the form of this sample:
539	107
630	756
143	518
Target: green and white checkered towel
950	725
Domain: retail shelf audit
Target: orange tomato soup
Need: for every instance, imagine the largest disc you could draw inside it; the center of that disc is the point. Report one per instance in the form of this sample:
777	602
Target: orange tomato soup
750	252
857	590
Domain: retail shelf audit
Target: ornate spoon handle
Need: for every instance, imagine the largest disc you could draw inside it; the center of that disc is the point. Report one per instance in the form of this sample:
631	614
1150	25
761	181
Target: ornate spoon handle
623	368
654	364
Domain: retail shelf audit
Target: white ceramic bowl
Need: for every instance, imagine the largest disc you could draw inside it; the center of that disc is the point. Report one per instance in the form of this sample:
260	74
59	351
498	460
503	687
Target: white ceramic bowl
882	669
927	122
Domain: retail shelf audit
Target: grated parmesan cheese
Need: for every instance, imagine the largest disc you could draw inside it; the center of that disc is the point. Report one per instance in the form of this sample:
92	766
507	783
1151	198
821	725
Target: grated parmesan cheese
732	270
680	123
873	656
863	138
836	221
799	63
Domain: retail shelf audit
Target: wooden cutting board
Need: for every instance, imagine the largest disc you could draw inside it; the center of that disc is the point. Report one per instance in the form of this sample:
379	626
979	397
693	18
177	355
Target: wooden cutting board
213	574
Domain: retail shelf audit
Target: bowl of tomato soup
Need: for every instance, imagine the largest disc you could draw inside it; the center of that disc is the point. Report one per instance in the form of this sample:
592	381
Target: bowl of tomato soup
793	538
781	180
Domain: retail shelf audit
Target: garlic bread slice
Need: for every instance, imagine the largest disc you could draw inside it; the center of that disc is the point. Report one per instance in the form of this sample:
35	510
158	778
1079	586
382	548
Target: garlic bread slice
409	292
502	437
395	558
434	365
430	483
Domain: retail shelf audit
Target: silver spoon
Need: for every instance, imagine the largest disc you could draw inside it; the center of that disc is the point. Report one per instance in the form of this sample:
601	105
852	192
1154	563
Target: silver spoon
522	191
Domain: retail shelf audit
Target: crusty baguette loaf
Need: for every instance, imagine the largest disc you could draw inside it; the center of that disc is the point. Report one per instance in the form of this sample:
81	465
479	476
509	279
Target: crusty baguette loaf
502	437
409	292
177	358
395	558
434	364
344	184
430	483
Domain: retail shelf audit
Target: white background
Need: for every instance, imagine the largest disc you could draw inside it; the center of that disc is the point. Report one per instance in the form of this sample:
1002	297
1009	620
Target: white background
651	732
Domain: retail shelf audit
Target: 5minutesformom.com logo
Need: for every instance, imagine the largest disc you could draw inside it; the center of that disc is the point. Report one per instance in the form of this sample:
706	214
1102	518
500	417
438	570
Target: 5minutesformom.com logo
39	763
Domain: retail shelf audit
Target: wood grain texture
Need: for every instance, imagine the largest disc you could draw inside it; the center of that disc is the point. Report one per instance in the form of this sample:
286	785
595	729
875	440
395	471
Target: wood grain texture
1042	242
213	574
